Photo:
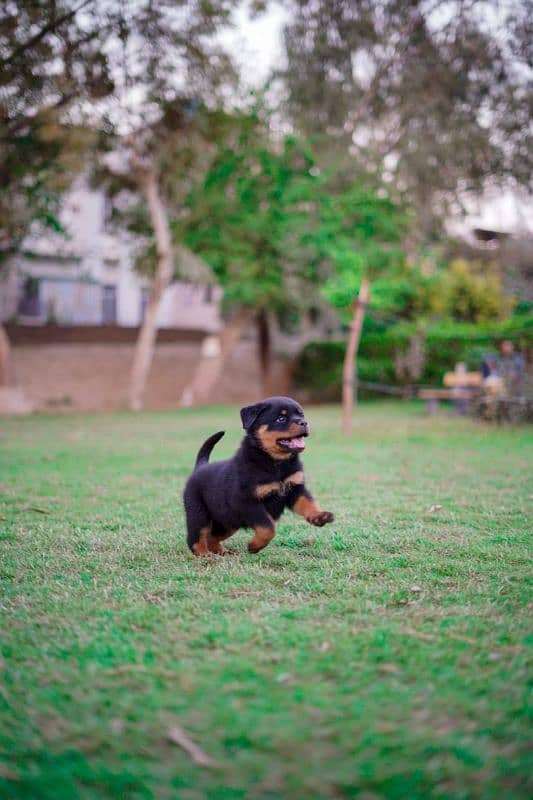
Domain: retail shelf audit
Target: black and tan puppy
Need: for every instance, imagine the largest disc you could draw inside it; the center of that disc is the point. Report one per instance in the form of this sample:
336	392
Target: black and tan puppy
252	489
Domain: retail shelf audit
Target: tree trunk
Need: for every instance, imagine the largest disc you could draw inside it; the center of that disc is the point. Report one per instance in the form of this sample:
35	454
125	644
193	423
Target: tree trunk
200	390
350	364
264	344
287	376
5	358
144	349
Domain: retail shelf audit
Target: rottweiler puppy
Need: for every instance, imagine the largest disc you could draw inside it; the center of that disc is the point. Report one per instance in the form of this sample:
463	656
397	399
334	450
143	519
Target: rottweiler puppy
252	489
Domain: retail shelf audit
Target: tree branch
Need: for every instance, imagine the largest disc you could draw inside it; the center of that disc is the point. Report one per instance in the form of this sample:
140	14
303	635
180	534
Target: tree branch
52	26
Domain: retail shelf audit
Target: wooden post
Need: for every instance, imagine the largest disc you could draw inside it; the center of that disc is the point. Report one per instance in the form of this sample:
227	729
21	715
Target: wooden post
349	375
5	358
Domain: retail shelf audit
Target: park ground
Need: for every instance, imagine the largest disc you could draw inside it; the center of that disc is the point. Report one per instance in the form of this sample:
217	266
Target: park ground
383	656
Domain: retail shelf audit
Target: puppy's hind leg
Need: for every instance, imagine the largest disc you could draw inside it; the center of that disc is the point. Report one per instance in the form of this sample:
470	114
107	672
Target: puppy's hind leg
198	525
217	536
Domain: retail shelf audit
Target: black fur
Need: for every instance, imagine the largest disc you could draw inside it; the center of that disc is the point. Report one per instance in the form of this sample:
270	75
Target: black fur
222	497
205	450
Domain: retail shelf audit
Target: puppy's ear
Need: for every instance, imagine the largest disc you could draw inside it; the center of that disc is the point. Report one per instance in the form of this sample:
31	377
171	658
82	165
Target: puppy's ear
249	414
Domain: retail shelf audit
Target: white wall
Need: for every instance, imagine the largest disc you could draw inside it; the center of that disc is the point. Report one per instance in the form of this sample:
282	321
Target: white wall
90	251
185	306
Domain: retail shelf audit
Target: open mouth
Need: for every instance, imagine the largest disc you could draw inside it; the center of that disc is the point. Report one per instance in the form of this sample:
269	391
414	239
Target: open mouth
295	443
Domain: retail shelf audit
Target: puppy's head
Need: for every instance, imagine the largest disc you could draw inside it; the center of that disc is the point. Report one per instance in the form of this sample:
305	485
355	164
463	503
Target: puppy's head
277	425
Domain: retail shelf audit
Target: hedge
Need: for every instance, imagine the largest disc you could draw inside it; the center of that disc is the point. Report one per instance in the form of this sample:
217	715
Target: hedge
318	369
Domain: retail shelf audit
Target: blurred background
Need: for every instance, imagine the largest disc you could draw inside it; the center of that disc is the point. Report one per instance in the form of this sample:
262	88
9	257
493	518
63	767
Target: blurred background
201	201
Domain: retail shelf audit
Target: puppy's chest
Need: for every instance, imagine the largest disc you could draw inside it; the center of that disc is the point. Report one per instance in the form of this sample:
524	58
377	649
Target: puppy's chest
279	488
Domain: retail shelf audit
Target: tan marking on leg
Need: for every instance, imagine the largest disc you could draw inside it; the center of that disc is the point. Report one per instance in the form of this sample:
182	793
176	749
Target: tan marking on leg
262	490
312	512
306	507
215	545
261	538
201	547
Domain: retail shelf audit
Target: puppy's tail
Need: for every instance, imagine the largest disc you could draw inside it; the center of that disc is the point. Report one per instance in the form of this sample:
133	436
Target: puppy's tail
205	450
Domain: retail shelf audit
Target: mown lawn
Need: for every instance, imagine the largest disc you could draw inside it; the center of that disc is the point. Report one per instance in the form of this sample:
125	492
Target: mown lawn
384	656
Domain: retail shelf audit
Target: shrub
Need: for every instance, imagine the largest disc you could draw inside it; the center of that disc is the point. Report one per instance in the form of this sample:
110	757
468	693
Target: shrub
474	293
318	370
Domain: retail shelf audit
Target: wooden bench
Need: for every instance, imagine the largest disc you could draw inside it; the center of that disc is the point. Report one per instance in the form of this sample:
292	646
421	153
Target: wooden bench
463	386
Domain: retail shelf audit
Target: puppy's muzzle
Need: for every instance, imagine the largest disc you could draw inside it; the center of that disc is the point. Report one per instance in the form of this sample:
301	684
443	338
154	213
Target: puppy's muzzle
294	443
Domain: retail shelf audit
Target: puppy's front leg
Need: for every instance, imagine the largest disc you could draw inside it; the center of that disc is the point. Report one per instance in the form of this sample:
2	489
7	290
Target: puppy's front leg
303	503
264	532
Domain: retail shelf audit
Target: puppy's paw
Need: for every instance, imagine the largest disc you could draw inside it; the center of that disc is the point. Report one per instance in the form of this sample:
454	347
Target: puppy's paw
321	519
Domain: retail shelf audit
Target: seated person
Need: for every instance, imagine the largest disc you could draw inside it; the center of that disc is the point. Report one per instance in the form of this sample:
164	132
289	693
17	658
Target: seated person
510	367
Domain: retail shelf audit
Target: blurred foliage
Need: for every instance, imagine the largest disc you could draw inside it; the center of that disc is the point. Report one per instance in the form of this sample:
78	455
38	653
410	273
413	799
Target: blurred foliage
47	60
284	225
464	291
279	233
431	98
77	75
319	366
183	145
368	242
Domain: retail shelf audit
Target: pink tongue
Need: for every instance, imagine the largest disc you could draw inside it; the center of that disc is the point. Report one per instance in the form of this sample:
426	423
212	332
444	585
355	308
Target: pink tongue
297	444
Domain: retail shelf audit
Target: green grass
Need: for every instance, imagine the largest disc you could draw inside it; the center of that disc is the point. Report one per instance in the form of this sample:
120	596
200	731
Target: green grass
384	656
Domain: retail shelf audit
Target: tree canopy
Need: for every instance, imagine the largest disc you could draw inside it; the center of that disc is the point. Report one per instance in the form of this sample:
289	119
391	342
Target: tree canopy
279	233
75	72
433	98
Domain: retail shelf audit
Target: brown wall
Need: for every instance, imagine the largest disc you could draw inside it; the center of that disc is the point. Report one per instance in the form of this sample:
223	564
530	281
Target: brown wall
94	334
94	376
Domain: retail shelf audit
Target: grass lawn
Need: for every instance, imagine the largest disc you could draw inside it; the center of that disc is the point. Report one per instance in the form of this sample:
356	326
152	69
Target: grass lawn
383	656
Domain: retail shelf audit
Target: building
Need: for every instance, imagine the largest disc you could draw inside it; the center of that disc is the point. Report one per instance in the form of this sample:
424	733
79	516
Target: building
86	276
72	305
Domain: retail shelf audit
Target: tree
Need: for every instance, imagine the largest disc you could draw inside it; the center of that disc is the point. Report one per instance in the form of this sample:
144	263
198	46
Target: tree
432	98
48	61
52	59
349	372
282	236
249	220
368	245
173	59
160	165
144	66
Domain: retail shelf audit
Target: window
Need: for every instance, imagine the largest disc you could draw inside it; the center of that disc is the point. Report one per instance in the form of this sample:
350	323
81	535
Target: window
30	301
107	214
109	305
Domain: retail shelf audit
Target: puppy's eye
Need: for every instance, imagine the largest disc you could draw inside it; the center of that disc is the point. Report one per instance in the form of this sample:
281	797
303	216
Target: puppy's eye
282	419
